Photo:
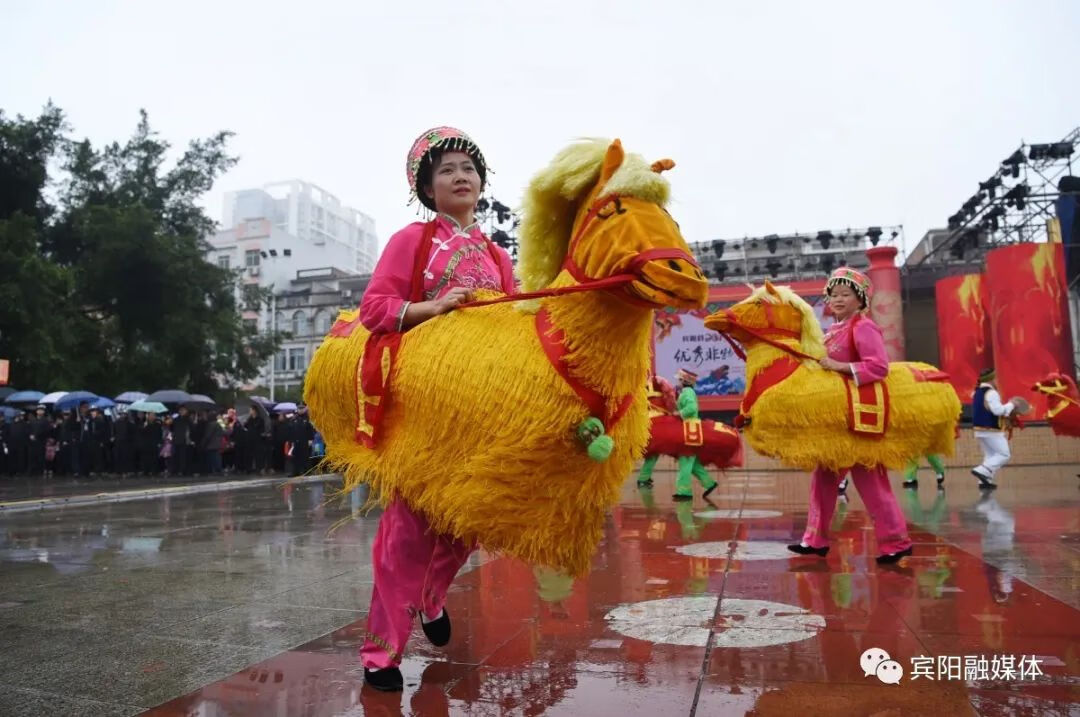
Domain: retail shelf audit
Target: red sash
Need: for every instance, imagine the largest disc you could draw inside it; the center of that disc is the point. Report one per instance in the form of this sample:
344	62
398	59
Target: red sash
372	385
773	374
551	339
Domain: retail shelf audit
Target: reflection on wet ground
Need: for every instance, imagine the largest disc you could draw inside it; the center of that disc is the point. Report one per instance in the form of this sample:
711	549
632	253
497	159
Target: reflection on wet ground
244	603
22	488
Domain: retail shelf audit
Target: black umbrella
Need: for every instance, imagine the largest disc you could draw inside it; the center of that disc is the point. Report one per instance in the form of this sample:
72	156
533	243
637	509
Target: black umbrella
170	397
243	405
200	402
6	391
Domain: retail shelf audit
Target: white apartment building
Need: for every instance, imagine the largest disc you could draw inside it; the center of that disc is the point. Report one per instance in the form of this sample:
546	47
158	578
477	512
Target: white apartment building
310	213
270	258
305	310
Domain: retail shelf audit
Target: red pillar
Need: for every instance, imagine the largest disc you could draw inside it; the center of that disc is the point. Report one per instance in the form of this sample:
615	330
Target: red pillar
964	337
887	308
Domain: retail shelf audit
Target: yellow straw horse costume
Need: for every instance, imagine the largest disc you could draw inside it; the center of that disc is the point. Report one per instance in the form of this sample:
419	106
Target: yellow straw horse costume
494	414
801	414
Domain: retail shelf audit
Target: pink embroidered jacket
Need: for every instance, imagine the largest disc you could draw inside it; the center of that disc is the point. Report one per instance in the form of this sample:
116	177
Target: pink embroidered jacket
859	343
459	257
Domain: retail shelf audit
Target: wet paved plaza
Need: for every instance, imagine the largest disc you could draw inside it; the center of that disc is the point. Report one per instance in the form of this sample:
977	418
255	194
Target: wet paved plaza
245	602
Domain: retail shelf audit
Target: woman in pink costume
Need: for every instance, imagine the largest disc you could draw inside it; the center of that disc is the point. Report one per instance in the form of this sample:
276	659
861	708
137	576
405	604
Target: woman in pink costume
855	348
427	269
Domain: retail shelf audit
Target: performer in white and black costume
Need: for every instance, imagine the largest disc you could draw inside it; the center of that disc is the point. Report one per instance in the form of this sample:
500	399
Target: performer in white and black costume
989	418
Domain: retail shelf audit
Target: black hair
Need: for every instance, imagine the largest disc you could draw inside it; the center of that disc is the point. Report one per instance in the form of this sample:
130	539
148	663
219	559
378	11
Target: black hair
430	160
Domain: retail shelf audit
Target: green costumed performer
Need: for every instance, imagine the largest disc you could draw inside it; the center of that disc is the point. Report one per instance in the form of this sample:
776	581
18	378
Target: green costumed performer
911	472
661	395
687	406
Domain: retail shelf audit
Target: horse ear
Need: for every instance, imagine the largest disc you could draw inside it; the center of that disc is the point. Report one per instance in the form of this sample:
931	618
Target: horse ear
613	159
662	165
770	288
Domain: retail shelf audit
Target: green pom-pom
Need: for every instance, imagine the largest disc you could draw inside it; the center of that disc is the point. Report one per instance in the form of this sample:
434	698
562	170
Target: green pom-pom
590	429
601	448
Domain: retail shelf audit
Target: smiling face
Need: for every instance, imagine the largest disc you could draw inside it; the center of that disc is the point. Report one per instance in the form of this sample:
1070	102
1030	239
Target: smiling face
844	302
454	184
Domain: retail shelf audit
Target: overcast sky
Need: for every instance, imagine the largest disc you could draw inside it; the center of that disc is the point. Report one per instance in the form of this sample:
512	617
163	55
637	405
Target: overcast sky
782	116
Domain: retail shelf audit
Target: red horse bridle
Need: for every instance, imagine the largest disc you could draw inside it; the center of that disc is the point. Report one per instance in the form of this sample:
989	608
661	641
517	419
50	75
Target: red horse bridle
626	274
760	335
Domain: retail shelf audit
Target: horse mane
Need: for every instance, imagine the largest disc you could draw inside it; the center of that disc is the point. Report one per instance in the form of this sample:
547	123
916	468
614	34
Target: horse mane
553	199
811	338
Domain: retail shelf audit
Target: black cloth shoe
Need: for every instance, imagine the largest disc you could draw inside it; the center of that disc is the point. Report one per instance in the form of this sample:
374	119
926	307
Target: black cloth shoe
645	483
911	483
710	490
385	680
941	482
890	558
438	630
984	482
807	550
680	496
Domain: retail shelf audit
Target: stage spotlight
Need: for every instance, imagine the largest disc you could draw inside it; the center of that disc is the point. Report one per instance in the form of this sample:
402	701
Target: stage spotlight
774	268
875	235
1013	162
1017	196
1054	150
825	238
720	270
990	186
718	248
771	242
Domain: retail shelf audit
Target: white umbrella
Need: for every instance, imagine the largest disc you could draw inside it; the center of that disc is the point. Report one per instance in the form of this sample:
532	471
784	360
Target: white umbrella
51	398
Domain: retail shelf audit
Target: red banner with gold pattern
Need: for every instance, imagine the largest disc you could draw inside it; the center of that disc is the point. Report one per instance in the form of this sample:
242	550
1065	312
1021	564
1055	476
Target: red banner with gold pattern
1029	316
964	336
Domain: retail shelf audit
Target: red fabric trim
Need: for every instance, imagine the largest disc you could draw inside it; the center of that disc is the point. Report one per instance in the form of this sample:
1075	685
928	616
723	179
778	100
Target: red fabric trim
774	373
552	341
370	383
423	253
344	329
922	376
866	395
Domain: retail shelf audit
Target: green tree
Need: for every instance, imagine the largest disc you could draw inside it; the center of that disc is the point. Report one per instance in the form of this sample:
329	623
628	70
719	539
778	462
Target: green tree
34	292
119	257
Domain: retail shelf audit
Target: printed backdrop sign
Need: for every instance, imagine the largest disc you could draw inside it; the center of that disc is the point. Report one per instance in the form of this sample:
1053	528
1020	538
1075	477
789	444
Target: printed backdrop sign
681	341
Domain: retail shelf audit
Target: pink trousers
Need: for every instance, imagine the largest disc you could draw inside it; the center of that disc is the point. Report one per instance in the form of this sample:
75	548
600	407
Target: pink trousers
873	486
413	569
